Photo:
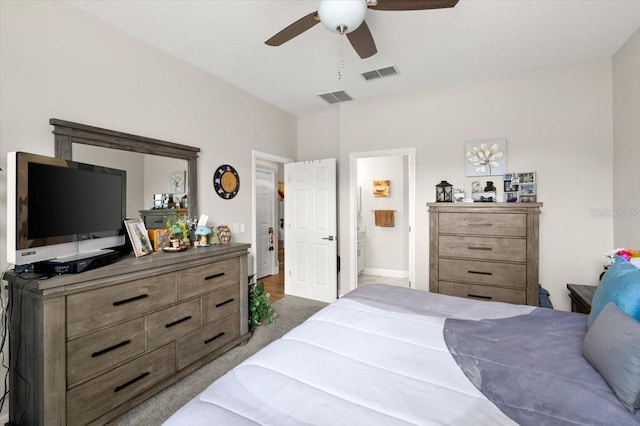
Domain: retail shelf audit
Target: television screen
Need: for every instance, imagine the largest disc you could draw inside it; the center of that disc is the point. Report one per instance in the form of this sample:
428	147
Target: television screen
72	201
59	208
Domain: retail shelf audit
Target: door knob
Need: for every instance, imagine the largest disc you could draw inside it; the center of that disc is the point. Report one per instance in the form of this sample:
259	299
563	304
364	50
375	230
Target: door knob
330	238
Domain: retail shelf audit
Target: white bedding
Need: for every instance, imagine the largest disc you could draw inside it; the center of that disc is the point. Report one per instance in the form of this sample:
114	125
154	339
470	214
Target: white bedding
377	357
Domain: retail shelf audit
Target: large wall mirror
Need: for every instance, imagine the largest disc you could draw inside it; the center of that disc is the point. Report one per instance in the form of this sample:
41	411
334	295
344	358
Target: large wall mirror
150	163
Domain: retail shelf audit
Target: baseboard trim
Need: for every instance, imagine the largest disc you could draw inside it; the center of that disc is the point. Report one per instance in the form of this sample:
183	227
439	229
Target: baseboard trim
392	273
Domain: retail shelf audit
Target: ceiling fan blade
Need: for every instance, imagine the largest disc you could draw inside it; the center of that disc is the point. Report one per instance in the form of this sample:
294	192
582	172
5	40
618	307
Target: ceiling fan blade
295	29
413	4
362	41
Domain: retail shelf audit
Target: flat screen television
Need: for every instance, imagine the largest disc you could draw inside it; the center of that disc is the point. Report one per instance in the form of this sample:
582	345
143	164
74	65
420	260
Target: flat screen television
62	209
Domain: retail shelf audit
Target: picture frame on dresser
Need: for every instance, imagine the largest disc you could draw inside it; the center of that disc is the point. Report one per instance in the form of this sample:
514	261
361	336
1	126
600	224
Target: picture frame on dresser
139	237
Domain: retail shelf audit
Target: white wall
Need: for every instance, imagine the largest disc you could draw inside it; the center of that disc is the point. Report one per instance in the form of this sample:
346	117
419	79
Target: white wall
84	70
385	247
558	123
58	61
626	144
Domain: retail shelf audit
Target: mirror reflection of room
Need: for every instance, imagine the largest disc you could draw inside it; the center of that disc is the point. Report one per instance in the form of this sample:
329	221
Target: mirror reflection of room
147	176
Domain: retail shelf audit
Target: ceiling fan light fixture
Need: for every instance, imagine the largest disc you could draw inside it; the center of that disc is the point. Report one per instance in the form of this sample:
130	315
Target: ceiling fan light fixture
342	16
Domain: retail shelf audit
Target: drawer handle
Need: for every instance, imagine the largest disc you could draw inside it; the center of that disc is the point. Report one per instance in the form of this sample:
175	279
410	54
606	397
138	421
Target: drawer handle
480	273
224	303
129	300
210	277
176	322
110	348
479	297
483	224
211	339
480	248
130	382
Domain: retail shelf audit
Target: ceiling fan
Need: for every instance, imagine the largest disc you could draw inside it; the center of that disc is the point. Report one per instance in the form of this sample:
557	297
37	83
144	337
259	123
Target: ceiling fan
347	17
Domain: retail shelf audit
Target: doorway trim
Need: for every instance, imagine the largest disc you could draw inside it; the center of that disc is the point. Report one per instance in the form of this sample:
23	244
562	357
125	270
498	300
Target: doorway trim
255	156
353	208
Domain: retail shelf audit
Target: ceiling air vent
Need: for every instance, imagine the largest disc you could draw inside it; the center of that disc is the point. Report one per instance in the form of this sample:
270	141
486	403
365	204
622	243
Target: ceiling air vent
335	97
379	73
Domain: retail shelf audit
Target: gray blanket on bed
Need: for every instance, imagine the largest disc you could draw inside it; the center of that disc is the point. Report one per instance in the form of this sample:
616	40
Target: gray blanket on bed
531	367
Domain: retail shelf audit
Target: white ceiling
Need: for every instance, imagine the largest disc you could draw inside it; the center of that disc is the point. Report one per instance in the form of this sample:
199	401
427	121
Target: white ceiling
477	39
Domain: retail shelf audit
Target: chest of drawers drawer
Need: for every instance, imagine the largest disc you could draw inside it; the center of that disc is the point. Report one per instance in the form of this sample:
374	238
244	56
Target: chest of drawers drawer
100	395
166	325
483	273
98	352
101	307
202	279
206	340
482	292
485	248
220	303
493	224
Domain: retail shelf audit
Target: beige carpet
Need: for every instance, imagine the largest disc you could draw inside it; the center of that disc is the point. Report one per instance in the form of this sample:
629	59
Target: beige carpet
291	311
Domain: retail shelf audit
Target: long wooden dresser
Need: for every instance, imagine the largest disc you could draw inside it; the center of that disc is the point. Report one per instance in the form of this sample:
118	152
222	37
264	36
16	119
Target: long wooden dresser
486	251
85	348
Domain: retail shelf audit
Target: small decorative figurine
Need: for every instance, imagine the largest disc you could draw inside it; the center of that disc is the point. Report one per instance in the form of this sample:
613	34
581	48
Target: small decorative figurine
202	236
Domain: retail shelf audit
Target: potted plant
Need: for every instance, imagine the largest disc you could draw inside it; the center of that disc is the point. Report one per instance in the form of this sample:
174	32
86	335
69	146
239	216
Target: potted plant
259	310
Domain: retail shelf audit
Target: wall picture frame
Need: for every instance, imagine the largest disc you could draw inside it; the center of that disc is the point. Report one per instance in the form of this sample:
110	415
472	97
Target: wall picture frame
486	157
139	237
381	188
177	182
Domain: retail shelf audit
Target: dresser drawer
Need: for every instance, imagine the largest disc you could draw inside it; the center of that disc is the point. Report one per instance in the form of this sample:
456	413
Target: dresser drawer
168	324
485	248
155	222
206	340
104	349
482	292
220	303
97	308
104	393
484	273
205	278
496	224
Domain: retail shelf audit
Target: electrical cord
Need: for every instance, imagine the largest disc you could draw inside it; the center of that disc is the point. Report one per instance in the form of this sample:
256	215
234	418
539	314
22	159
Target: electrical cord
6	333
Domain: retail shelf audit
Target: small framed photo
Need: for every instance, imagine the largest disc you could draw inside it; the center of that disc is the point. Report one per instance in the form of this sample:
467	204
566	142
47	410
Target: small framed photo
527	189
529	177
511	197
527	198
138	236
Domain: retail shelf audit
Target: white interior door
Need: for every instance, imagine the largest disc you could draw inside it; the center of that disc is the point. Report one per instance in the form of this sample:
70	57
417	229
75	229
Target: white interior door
310	230
265	223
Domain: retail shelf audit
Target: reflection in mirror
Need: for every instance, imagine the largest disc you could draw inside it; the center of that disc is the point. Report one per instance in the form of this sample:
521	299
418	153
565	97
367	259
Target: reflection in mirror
146	174
120	147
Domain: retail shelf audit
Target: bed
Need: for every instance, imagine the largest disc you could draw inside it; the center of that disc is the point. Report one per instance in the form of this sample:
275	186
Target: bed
384	355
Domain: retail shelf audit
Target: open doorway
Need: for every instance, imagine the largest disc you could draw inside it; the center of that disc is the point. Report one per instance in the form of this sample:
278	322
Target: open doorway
382	217
268	219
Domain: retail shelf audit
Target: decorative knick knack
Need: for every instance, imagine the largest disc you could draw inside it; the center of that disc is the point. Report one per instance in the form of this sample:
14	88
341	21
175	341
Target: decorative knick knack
489	187
444	192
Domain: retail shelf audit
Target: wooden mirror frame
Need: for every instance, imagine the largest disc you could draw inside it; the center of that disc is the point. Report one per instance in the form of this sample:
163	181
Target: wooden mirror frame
66	133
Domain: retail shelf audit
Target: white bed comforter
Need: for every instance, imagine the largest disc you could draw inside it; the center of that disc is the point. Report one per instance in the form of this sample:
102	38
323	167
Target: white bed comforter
374	357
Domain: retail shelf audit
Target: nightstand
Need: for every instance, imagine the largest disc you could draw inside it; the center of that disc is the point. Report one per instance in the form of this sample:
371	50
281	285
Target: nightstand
581	297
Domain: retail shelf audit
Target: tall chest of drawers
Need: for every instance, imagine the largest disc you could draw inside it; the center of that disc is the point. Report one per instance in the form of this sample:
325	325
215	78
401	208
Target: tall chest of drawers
486	251
85	348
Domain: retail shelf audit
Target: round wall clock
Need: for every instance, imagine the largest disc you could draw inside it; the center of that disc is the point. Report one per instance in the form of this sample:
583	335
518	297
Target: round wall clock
226	181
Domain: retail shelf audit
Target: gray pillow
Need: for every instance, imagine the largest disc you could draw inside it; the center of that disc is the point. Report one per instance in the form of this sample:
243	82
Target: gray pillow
612	346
